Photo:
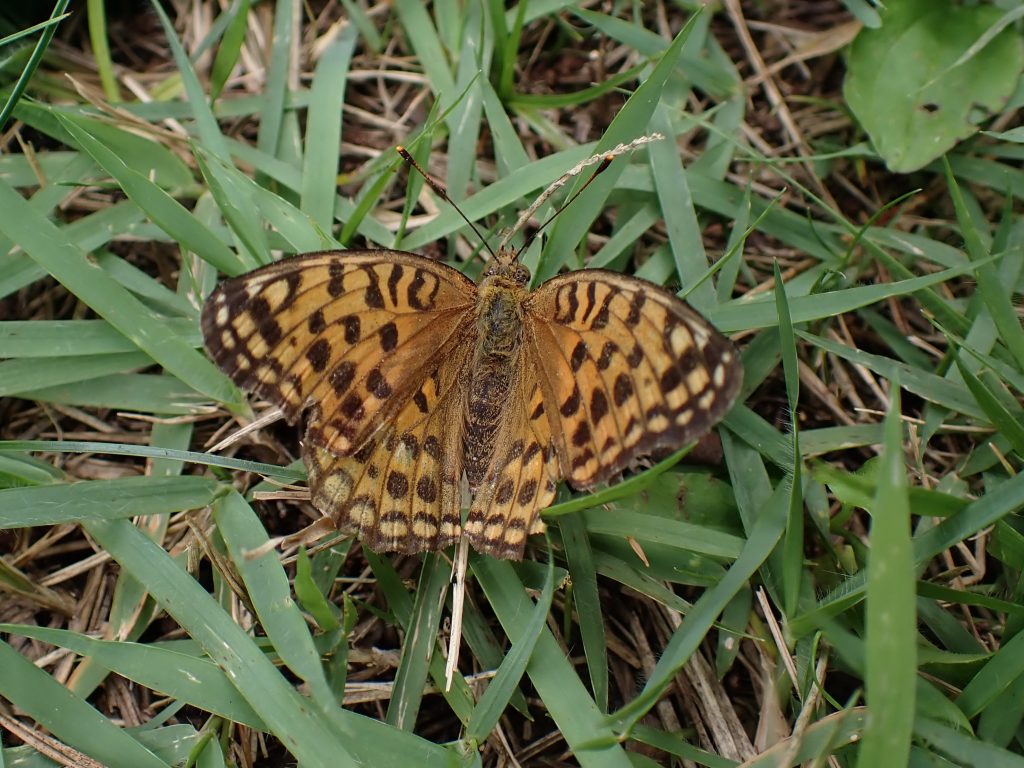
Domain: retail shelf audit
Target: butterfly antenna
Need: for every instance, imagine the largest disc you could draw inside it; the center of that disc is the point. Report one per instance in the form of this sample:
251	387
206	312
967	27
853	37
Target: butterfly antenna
439	189
604	158
605	162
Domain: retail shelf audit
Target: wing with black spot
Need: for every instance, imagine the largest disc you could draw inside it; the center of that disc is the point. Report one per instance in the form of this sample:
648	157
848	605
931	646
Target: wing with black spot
351	335
401	491
626	368
522	476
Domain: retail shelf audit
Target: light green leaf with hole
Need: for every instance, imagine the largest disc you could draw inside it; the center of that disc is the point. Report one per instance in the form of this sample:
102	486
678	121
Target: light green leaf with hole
928	76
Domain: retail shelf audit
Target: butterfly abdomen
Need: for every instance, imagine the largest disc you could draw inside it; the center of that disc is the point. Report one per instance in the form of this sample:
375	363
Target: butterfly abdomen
494	373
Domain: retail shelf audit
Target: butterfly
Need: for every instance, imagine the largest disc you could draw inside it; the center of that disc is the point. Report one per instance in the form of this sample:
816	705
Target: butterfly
411	378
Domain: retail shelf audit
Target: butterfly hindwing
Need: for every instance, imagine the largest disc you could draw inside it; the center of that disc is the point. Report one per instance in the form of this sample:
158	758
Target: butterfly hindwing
522	476
352	334
626	368
401	490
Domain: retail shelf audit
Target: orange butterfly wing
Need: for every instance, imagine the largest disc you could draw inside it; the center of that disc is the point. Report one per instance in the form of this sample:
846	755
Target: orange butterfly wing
522	476
401	491
626	368
349	334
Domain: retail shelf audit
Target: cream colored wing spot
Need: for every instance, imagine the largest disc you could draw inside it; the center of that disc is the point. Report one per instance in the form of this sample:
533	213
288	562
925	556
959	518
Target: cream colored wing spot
697	380
275	293
718	377
338	484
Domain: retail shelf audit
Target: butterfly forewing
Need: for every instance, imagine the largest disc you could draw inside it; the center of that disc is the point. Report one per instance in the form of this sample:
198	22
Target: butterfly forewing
351	333
626	369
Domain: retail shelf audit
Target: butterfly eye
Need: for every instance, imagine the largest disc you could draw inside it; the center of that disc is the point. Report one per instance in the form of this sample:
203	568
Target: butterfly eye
521	274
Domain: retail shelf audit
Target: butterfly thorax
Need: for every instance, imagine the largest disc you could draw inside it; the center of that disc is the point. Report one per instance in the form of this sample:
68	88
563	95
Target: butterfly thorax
499	337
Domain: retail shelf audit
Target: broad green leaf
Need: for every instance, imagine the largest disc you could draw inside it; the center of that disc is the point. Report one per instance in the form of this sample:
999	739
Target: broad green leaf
912	87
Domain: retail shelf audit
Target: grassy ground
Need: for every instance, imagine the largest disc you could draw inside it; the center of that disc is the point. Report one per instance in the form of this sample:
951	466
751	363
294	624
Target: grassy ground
839	584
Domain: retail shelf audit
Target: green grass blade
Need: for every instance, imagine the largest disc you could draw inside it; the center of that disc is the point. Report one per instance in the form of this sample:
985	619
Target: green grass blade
998	414
270	592
821	739
103	500
959	746
760	434
620	490
20	376
537	102
587	599
522	182
97	15
170	671
46	245
674	744
328	739
1004	668
459	698
16	35
891	644
323	129
593	742
793	545
508	147
198	106
286	474
678	213
362	21
232	191
936	389
630	122
742	315
678	534
507	37
272	112
420	642
56	16
763	539
230	47
1003	498
501	688
991	289
164	210
311	592
463	120
424	39
68	717
146	157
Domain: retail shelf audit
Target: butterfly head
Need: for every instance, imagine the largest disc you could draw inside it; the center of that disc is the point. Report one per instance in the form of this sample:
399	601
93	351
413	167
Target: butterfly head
505	270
